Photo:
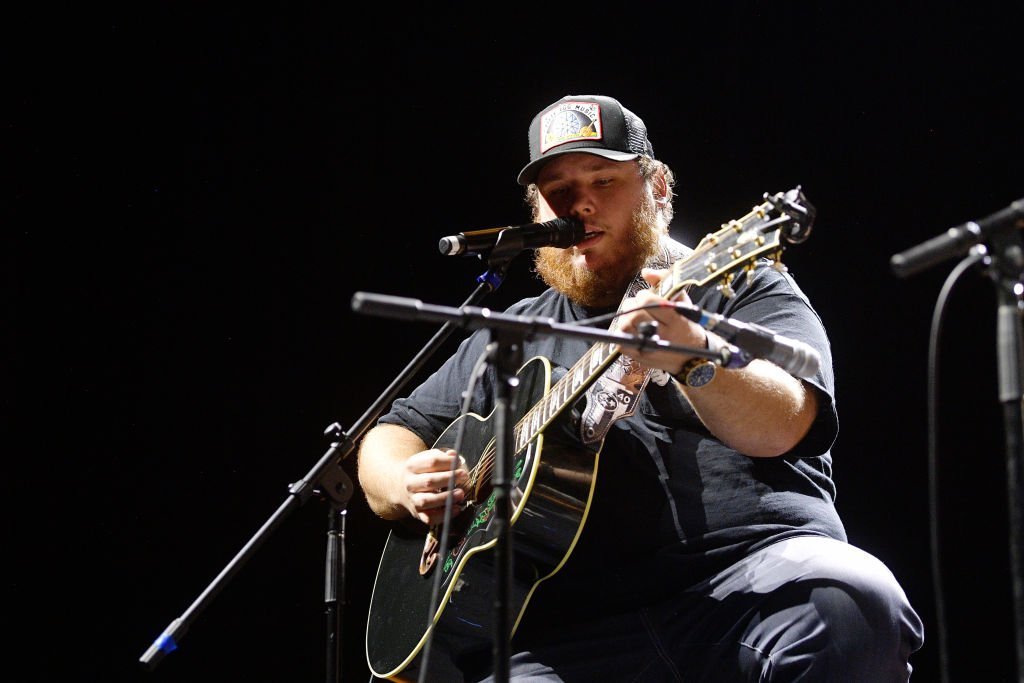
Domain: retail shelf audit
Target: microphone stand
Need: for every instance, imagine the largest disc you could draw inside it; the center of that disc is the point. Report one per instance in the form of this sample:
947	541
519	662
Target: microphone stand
1005	266
509	332
1007	271
506	356
328	479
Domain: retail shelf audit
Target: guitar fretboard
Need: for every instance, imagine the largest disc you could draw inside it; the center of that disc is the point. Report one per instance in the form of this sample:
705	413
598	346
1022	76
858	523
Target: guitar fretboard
565	391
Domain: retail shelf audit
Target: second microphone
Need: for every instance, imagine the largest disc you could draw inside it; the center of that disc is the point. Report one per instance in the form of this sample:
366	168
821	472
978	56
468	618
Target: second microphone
754	341
559	232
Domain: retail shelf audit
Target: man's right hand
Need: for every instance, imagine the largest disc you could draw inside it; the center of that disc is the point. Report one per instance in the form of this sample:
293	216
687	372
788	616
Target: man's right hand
425	480
402	477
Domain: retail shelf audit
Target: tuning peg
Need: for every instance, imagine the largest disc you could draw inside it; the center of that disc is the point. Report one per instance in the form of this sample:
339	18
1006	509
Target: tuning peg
751	269
780	266
725	287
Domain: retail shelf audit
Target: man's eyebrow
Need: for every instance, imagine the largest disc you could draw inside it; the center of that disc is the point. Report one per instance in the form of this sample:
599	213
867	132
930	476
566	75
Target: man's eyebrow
597	165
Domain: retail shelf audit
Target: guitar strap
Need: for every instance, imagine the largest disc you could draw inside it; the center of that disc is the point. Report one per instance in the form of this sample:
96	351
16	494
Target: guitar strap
614	394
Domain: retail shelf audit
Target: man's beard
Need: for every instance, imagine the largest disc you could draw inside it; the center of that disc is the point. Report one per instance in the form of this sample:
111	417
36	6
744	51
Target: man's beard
600	289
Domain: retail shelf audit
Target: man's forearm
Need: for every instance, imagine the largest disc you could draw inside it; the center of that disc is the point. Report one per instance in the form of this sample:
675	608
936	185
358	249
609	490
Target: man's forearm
760	410
382	455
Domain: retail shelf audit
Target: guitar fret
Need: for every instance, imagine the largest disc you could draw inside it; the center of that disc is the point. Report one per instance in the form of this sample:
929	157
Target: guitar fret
554	400
577	376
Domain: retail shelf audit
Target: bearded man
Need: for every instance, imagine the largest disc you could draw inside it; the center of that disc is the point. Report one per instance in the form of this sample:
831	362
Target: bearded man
707	545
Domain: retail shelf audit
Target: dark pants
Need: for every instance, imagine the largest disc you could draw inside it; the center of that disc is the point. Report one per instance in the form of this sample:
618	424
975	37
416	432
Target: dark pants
804	609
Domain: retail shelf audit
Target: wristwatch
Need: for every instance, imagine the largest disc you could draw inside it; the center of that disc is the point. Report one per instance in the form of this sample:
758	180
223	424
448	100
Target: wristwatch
696	372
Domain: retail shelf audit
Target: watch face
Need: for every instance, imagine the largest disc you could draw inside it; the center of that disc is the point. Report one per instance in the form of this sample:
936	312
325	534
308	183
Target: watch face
700	375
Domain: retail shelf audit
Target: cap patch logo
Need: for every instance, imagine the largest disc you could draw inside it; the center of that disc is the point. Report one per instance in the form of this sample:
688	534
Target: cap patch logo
569	122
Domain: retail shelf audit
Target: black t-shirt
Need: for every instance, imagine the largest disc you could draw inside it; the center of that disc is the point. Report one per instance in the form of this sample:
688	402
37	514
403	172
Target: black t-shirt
672	504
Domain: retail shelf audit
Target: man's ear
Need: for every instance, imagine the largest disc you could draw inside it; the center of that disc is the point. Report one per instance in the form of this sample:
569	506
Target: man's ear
659	186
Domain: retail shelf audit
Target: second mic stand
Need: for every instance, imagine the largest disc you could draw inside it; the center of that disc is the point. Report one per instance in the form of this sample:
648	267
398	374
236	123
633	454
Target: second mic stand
1007	271
1000	237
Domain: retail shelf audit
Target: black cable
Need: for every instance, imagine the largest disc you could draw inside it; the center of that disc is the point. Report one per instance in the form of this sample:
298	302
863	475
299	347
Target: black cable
478	369
608	317
978	254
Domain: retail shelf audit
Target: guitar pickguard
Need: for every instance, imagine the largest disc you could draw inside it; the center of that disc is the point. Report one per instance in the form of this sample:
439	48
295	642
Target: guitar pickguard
612	397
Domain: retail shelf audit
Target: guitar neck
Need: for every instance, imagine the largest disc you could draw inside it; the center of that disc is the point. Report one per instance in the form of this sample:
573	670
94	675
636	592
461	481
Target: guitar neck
565	392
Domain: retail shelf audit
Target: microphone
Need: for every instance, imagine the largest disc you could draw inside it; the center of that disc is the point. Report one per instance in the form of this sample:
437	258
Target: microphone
956	240
559	232
754	341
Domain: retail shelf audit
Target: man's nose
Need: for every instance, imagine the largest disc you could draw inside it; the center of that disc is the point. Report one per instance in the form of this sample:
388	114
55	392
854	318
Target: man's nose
582	204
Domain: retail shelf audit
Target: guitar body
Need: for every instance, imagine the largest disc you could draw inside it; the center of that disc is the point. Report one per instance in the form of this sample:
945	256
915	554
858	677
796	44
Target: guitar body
552	480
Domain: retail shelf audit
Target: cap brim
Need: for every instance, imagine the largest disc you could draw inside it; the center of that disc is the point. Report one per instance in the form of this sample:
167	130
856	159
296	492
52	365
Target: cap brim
529	173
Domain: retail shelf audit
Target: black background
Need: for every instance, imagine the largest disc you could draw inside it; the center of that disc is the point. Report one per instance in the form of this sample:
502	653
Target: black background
195	194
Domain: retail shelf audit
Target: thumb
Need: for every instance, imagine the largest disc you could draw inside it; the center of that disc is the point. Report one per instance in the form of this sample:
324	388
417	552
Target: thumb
652	276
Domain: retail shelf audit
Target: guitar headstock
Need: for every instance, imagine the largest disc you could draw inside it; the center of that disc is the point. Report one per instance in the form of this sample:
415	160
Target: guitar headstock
739	244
